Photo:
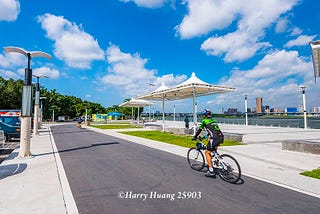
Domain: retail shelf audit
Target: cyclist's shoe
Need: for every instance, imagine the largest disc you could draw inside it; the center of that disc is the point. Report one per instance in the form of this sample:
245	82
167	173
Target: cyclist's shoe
210	174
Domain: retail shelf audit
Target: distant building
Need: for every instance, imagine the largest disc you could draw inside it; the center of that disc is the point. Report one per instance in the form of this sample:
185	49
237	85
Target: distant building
232	111
266	109
276	110
316	109
258	105
291	110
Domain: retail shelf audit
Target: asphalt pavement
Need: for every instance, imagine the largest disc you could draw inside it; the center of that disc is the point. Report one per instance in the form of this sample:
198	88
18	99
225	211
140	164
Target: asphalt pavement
39	184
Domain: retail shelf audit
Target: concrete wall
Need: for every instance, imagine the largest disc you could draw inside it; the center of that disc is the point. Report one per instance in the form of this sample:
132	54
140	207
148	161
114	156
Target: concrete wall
302	146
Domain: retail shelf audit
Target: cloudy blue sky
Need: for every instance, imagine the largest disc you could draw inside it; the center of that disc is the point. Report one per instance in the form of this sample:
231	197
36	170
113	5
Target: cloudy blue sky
106	51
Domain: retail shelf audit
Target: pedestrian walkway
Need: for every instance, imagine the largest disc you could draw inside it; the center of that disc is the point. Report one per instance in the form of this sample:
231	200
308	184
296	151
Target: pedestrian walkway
35	184
39	185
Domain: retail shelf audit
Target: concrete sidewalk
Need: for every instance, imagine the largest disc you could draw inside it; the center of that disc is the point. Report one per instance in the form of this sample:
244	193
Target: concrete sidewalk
39	184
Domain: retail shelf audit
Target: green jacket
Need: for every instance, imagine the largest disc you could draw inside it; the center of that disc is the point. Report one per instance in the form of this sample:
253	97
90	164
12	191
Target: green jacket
210	125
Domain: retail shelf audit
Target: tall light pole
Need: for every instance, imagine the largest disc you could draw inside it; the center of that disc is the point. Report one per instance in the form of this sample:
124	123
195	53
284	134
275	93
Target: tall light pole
36	105
86	118
41	111
53	115
246	107
303	89
25	118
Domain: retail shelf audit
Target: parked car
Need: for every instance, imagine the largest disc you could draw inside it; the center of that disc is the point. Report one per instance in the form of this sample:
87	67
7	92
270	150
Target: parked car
10	131
10	123
12	120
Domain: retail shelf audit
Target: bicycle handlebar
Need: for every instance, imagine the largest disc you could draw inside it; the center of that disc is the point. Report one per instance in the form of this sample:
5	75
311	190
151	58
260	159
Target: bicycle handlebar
199	138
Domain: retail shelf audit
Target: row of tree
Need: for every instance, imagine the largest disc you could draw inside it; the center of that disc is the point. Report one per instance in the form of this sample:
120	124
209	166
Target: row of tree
63	105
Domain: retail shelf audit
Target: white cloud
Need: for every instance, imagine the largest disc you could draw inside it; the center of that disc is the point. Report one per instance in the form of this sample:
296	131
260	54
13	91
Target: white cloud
45	71
276	78
205	16
300	41
72	44
128	74
9	74
9	10
42	71
9	60
282	25
237	46
148	3
252	19
296	31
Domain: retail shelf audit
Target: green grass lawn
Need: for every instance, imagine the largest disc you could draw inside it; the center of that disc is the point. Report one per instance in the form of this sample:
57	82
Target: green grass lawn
115	126
179	140
314	173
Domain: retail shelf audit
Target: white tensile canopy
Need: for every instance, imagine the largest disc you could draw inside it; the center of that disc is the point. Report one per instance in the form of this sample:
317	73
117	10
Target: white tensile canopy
315	51
191	88
136	103
158	95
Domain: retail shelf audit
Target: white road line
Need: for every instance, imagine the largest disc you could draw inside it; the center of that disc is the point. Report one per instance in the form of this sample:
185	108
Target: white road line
70	203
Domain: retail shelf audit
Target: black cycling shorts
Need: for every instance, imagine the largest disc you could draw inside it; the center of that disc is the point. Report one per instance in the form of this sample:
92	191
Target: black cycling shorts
212	144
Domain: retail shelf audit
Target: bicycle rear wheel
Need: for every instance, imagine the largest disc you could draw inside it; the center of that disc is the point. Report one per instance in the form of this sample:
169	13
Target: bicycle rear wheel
229	169
195	159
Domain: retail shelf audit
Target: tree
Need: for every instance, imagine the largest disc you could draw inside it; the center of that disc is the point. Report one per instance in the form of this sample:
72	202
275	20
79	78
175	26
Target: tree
70	106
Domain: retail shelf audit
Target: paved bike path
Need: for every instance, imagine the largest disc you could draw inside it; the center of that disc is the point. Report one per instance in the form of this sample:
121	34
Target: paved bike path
264	161
101	168
39	185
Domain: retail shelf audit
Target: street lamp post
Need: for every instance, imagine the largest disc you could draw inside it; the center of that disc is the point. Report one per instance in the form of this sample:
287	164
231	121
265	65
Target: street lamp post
36	106
303	89
25	118
246	107
52	115
86	118
41	110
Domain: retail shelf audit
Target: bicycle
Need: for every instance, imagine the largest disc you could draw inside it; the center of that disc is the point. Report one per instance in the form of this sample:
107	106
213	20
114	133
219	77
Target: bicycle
226	166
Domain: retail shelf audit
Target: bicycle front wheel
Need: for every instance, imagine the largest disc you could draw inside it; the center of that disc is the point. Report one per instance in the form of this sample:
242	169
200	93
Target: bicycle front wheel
229	169
195	159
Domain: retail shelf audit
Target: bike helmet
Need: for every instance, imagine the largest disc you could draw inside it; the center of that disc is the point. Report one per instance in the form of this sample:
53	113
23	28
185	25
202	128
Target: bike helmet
206	112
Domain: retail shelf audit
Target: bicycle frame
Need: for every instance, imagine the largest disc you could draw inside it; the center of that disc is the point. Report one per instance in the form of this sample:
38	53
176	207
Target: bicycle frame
226	166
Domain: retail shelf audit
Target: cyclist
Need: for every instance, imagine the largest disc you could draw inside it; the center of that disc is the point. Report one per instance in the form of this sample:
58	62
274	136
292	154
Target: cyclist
79	121
215	137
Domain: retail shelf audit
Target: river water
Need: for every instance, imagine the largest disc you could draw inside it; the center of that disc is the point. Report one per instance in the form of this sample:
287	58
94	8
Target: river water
313	123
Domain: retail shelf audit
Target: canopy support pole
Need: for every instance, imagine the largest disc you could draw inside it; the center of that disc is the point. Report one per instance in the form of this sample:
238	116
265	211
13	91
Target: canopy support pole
194	113
163	113
138	114
131	114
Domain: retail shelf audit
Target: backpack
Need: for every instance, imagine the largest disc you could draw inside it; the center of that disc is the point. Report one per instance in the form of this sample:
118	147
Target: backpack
219	137
215	133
